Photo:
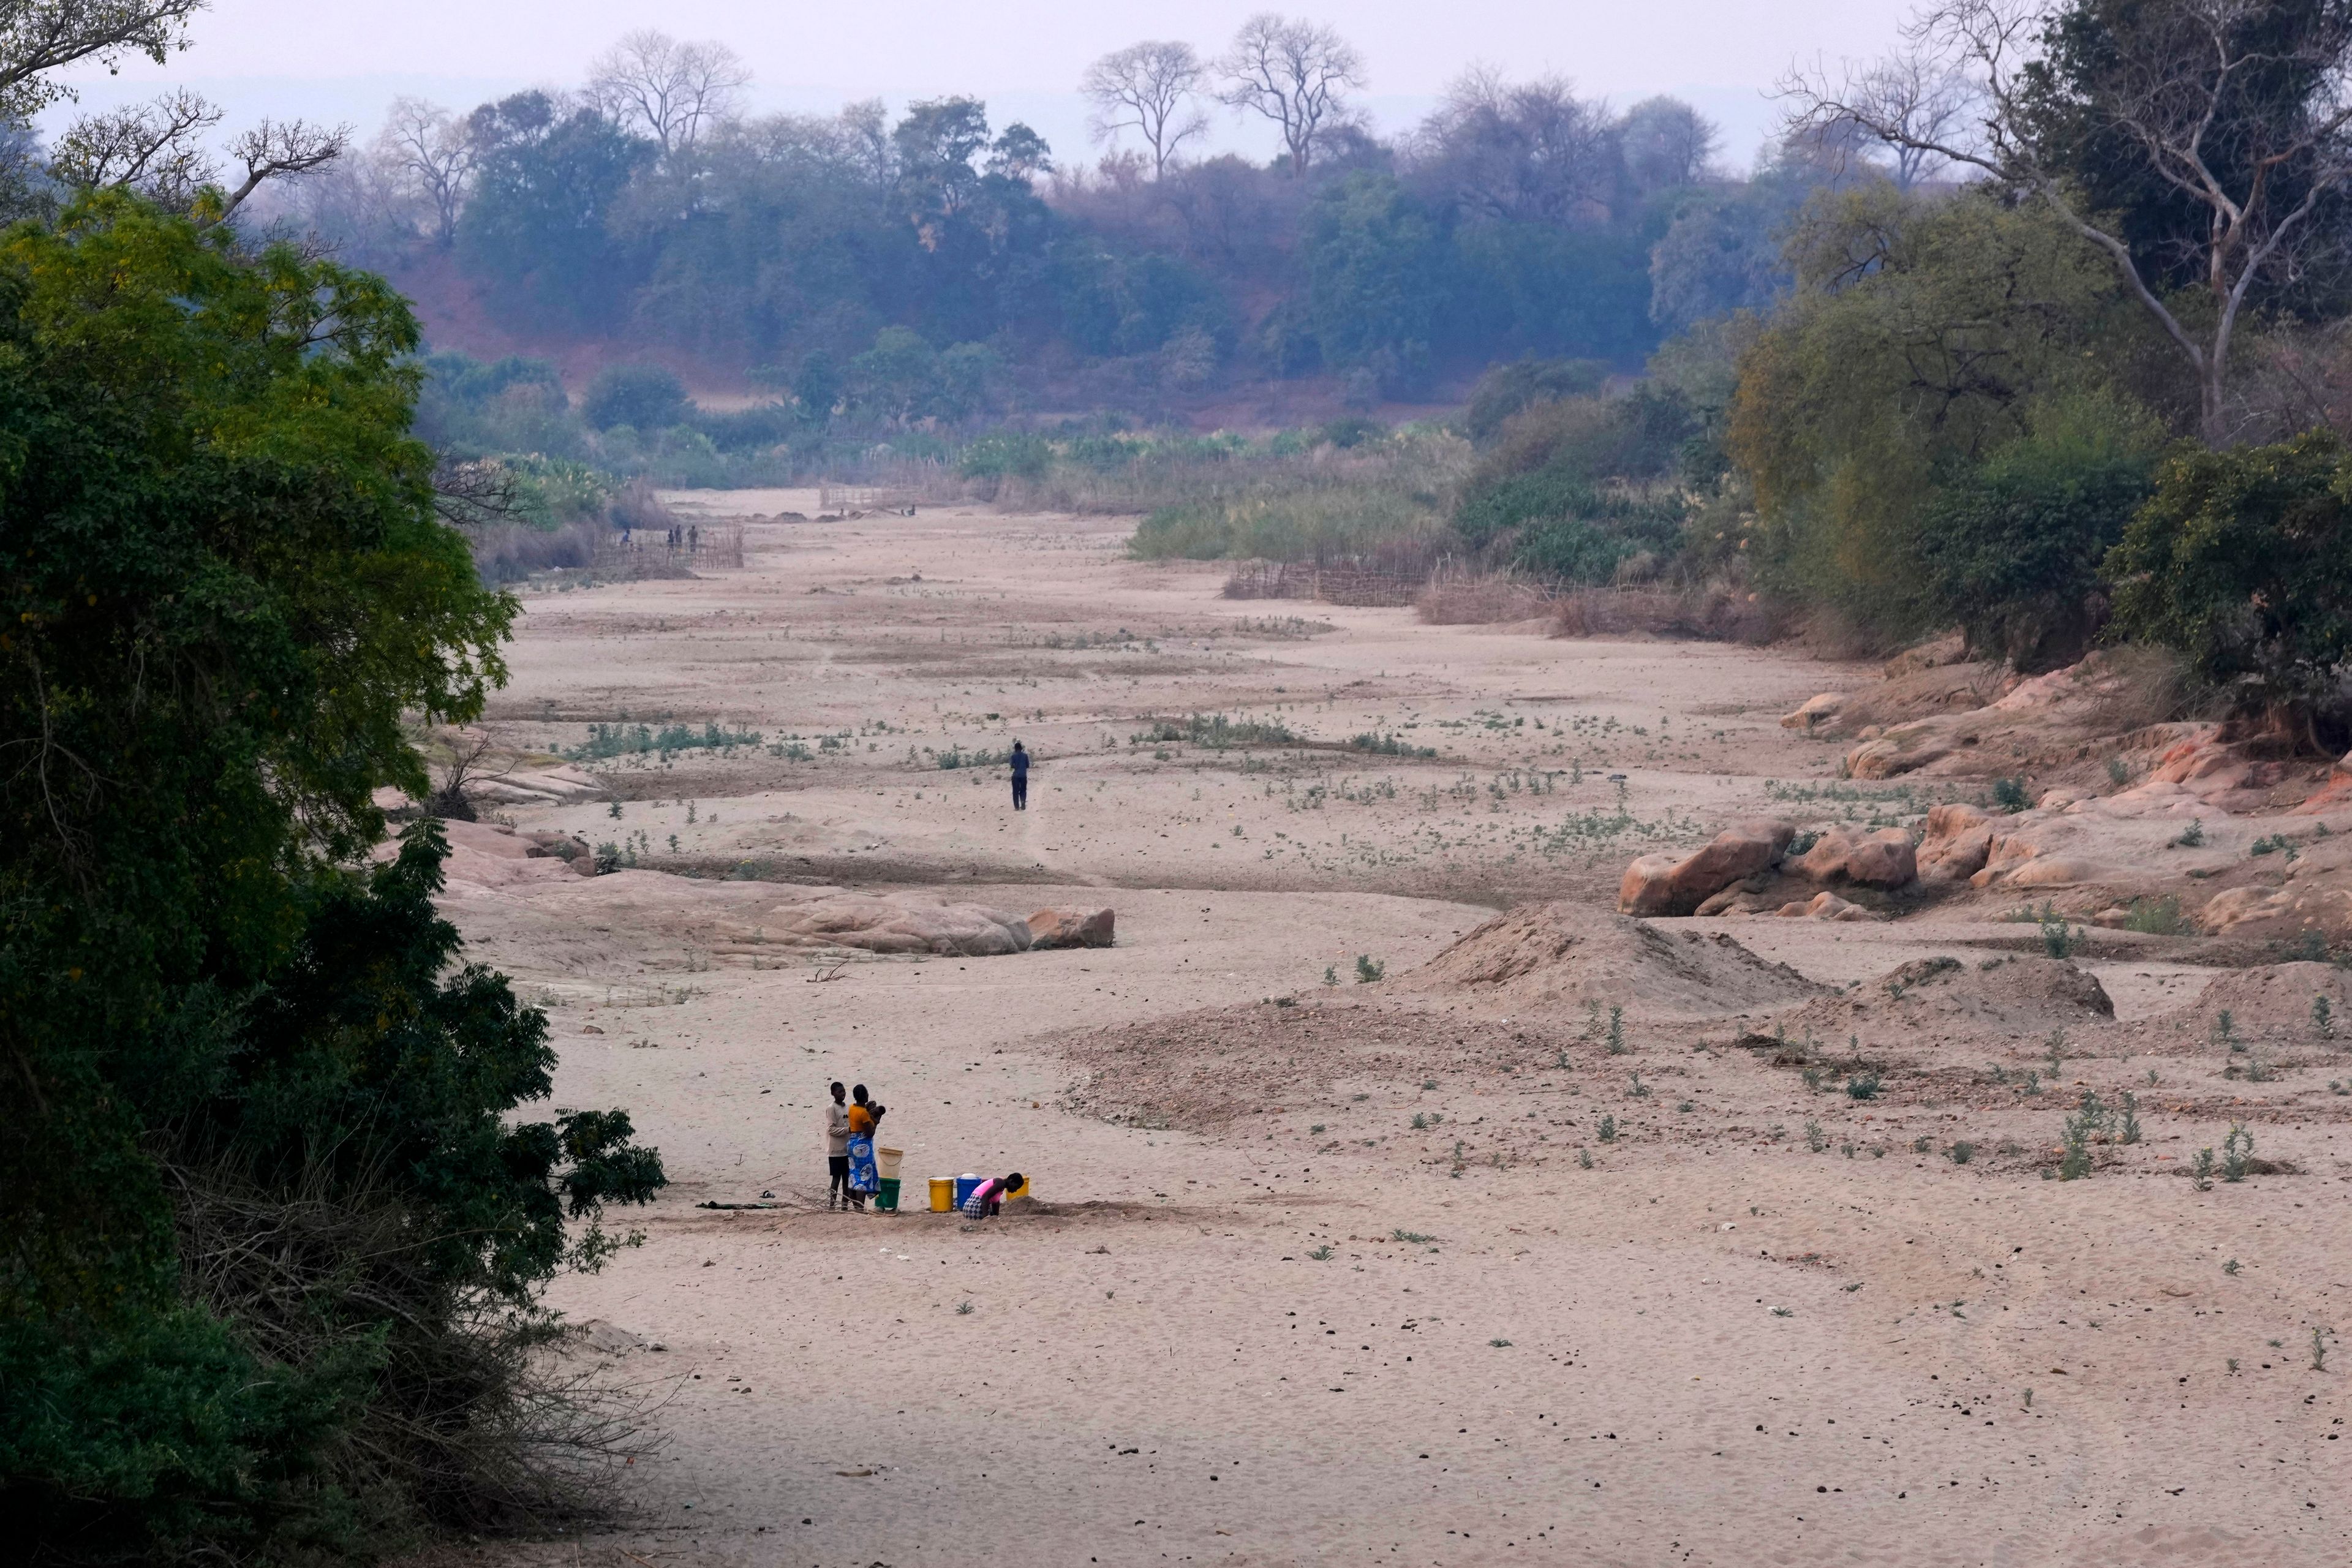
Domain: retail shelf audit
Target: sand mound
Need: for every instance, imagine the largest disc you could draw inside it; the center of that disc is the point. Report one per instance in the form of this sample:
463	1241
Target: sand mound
1201	1069
1563	953
2272	1003
1943	996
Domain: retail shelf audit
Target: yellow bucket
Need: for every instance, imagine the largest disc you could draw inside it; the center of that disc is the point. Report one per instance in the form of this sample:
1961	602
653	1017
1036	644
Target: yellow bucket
886	1163
942	1194
1025	1190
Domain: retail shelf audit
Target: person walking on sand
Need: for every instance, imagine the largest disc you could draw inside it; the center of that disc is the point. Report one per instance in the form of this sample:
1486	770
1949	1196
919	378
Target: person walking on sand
1020	760
837	1149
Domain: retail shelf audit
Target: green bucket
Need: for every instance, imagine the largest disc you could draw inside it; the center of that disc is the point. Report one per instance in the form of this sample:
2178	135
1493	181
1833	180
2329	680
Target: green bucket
887	1198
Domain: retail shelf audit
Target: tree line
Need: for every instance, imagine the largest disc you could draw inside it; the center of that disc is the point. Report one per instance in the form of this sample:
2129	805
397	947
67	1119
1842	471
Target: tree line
648	205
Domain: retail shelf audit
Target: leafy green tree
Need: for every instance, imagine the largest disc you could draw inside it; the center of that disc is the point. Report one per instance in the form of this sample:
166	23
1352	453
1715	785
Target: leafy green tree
2241	561
272	1237
1377	278
537	229
1922	333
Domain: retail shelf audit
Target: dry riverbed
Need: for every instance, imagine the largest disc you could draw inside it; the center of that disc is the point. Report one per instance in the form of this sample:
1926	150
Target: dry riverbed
1437	1267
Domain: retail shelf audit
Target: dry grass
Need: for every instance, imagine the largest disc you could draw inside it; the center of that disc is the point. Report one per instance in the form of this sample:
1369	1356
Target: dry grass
2139	686
1481	601
1714	612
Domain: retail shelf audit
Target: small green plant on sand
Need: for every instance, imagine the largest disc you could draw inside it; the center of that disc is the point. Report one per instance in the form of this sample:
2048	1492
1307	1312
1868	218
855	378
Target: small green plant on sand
1862	1086
1584	1157
2191	837
1330	974
1815	1139
2318	1349
1320	1254
1962	1152
2237	1153
1369	969
2323	1018
2231	1267
1609	1129
2057	940
1416	1237
1639	1090
1617	1046
2200	1170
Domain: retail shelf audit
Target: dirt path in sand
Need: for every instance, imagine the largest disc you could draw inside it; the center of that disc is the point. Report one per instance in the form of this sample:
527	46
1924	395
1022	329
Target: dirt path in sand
1359	1274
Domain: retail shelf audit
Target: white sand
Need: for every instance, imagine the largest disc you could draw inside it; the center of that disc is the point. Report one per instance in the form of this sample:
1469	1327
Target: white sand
1155	1368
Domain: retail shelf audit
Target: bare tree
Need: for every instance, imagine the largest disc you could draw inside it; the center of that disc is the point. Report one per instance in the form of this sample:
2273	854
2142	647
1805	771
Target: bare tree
275	148
151	148
1531	153
38	38
435	156
1148	88
1293	73
2164	91
669	89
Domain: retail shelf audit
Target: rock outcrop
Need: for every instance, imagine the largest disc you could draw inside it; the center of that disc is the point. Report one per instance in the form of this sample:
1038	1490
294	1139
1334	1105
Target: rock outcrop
1883	859
1957	840
1072	927
1672	885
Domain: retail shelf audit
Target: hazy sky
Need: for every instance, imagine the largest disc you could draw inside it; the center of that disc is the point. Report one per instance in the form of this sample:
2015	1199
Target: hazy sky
345	60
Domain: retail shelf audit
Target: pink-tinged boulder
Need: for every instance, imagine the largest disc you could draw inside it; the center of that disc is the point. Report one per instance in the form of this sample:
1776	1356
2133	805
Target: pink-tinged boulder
1665	885
1900	750
1825	906
1814	711
1958	839
1881	860
1072	927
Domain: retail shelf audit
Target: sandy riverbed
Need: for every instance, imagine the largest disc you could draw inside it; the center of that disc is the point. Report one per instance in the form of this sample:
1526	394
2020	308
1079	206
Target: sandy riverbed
1262	1316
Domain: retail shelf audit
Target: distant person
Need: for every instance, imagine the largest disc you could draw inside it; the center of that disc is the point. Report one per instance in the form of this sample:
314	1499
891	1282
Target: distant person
693	537
1020	760
836	1148
989	1197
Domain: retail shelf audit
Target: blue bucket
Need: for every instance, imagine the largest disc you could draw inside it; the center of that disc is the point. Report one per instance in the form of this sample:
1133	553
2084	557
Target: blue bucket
964	1188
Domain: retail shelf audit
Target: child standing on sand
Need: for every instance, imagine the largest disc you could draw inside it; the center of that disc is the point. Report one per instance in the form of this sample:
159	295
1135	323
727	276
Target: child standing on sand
837	1149
1020	760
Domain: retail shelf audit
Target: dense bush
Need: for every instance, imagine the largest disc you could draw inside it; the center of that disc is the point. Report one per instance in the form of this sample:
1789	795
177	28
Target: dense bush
273	1233
2013	548
644	397
2242	562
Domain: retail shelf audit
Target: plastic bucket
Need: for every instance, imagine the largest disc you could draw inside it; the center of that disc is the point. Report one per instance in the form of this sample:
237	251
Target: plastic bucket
942	1194
887	1198
886	1163
1025	1190
964	1185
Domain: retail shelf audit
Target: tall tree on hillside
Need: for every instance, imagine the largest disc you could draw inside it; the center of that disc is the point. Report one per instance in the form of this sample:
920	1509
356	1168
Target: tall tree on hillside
432	154
1667	143
1529	152
1148	88
2197	144
669	92
538	228
1296	74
